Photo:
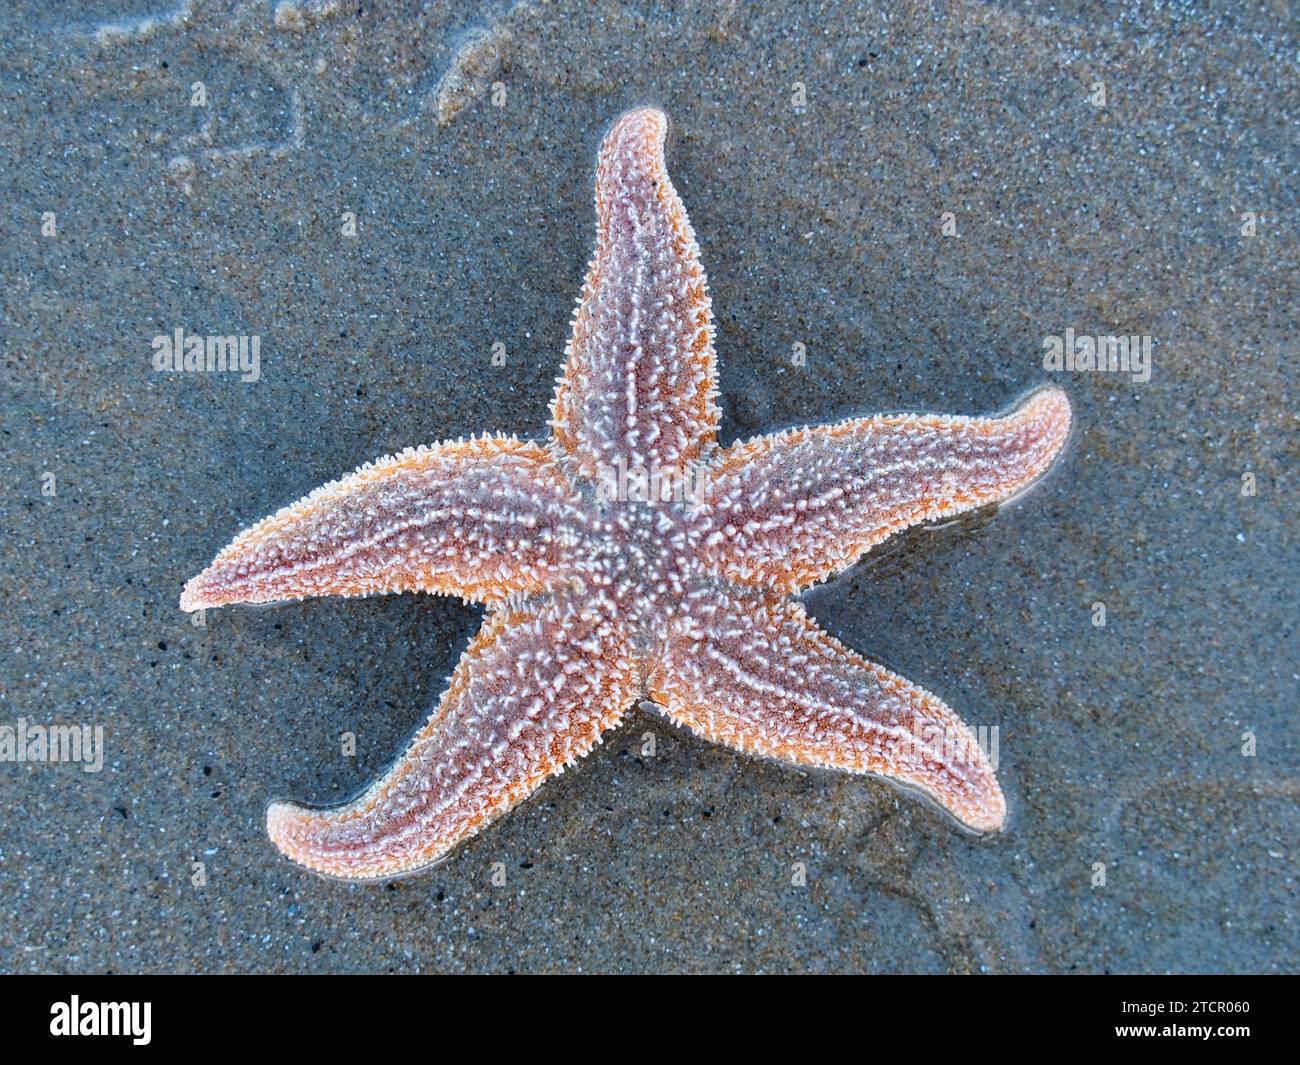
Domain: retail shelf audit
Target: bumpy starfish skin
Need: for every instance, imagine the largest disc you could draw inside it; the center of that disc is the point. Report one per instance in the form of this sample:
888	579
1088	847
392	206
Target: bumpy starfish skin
640	376
789	509
481	519
632	558
530	696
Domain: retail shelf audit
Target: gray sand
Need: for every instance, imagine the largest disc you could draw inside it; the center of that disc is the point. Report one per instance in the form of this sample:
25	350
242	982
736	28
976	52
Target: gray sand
820	225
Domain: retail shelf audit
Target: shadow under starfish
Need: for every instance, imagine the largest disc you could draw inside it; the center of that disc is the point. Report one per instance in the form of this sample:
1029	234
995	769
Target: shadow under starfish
607	583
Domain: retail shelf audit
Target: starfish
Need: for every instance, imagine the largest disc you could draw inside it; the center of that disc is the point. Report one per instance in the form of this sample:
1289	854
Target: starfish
631	559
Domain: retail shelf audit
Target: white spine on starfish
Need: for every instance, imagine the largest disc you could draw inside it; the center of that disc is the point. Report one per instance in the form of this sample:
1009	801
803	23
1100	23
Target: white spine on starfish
482	519
787	510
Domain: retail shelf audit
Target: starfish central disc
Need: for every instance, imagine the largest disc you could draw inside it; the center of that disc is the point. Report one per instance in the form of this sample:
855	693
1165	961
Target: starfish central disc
647	562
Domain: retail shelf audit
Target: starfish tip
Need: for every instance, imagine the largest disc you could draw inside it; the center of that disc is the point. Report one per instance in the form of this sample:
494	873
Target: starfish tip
192	597
284	826
992	820
646	114
280	815
1050	407
646	126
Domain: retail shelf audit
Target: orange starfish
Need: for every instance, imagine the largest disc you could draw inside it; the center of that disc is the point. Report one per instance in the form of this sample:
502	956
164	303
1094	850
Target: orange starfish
631	559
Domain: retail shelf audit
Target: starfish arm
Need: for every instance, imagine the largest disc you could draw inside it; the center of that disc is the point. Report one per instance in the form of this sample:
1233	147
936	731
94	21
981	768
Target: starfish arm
787	510
640	379
530	696
751	670
481	518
